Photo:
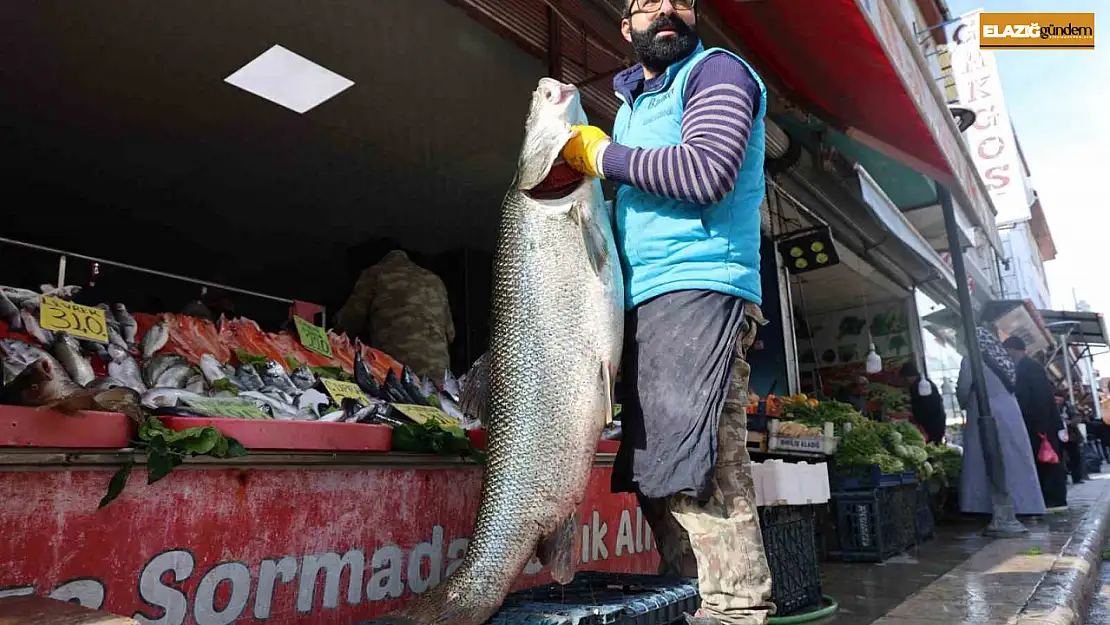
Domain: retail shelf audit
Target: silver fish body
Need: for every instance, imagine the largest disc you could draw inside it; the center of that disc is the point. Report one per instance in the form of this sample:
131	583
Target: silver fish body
68	352
174	377
273	374
159	364
154	339
9	313
124	368
196	384
128	327
555	345
106	383
303	378
30	321
246	376
212	368
167	397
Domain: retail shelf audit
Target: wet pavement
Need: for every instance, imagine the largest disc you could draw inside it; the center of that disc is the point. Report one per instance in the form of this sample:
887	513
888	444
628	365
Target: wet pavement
962	577
1099	614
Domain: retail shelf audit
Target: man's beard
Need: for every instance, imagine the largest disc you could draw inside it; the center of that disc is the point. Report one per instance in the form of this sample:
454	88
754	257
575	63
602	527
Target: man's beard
657	54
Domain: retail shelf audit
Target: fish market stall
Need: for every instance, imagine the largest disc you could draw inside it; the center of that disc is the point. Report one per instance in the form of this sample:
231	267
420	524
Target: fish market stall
190	471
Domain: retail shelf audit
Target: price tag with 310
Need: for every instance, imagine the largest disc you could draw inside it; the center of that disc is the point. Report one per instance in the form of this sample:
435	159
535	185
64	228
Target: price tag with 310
313	337
58	315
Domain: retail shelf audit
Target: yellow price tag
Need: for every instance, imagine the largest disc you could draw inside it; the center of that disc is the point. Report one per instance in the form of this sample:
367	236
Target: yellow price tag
313	337
423	414
340	390
58	315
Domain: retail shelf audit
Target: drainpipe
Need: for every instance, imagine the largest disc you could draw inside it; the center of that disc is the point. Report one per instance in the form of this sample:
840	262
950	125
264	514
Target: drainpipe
1004	523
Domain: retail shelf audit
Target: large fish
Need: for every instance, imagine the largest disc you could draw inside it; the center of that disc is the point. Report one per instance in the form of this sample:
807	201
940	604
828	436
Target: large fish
556	340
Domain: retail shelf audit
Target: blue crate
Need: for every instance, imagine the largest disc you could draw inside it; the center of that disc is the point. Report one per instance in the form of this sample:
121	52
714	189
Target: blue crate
757	422
909	477
596	598
862	478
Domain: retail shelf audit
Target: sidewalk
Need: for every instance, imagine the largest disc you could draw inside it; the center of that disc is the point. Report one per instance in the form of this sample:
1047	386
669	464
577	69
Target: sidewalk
1046	578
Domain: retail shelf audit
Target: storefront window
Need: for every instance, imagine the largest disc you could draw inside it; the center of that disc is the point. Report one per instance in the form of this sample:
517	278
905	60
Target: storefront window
942	356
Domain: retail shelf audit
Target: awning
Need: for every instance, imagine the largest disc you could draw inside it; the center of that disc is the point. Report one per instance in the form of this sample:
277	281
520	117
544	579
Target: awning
1089	328
864	220
1016	317
858	66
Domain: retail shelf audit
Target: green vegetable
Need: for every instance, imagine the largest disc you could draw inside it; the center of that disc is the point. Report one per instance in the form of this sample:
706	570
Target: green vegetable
891	400
859	447
435	438
248	358
910	434
225	385
292	362
332	373
888	463
167	449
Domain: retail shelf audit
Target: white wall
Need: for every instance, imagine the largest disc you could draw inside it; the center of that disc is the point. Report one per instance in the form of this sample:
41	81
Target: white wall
1025	277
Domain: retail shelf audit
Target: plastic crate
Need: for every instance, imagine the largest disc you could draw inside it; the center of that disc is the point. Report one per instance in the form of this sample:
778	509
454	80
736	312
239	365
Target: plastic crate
867	527
601	599
862	478
789	539
909	477
925	524
757	422
905	513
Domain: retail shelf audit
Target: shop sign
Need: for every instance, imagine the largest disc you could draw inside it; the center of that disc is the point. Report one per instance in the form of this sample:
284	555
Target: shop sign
86	322
991	139
936	117
283	546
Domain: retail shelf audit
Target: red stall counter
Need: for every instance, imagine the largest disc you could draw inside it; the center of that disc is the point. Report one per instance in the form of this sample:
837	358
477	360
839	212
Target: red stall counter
286	539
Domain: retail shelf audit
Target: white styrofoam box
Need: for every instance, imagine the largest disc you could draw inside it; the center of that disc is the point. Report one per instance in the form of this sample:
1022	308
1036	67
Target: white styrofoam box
779	483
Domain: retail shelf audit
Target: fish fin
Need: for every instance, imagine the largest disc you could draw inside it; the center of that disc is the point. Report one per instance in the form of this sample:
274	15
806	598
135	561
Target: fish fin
557	550
73	404
596	249
474	397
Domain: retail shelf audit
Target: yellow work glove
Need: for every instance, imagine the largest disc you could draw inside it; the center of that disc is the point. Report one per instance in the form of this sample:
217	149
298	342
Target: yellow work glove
584	150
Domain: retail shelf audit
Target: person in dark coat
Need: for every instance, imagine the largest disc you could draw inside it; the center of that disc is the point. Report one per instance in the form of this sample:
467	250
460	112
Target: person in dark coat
1036	396
928	410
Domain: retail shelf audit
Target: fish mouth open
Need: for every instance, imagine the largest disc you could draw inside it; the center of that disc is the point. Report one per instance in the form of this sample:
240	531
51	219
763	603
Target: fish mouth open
561	181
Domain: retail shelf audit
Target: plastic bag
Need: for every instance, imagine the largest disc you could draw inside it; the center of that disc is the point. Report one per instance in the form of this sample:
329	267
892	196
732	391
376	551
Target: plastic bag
1046	454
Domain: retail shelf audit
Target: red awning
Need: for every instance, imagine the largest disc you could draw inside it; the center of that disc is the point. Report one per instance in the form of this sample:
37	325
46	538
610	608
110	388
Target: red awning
850	61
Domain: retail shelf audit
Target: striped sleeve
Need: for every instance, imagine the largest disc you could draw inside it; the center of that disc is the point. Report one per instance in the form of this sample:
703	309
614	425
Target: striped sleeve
722	99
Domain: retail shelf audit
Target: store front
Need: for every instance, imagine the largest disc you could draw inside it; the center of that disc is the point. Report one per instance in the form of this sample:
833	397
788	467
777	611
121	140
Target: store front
140	153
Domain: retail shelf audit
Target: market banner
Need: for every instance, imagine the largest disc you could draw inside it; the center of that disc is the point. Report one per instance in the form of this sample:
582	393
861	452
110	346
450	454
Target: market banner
284	546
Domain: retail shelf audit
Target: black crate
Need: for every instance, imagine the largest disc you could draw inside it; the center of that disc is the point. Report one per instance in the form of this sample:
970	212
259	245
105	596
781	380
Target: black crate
905	514
789	542
601	599
924	522
867	525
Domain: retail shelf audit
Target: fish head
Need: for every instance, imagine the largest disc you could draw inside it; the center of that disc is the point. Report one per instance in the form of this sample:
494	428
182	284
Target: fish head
556	106
35	386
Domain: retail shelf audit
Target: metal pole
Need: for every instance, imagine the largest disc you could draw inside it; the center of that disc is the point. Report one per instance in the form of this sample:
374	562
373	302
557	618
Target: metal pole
1067	367
1003	522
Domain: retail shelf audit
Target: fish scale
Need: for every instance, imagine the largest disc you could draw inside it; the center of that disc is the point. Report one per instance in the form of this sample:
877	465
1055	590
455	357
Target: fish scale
556	339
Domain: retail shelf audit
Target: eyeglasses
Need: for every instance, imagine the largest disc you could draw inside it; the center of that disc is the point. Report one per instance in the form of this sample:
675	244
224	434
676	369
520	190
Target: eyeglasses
651	6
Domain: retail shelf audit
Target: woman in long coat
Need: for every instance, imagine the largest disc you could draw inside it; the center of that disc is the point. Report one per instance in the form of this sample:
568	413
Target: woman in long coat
1017	457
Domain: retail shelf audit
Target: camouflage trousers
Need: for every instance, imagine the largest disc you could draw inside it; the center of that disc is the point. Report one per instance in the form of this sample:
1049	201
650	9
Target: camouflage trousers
719	540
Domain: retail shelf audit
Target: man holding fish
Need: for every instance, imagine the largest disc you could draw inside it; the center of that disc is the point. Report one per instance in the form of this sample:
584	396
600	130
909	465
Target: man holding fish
687	155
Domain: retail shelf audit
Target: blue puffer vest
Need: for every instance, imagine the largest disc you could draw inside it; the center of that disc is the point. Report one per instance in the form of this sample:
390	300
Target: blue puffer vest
670	245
